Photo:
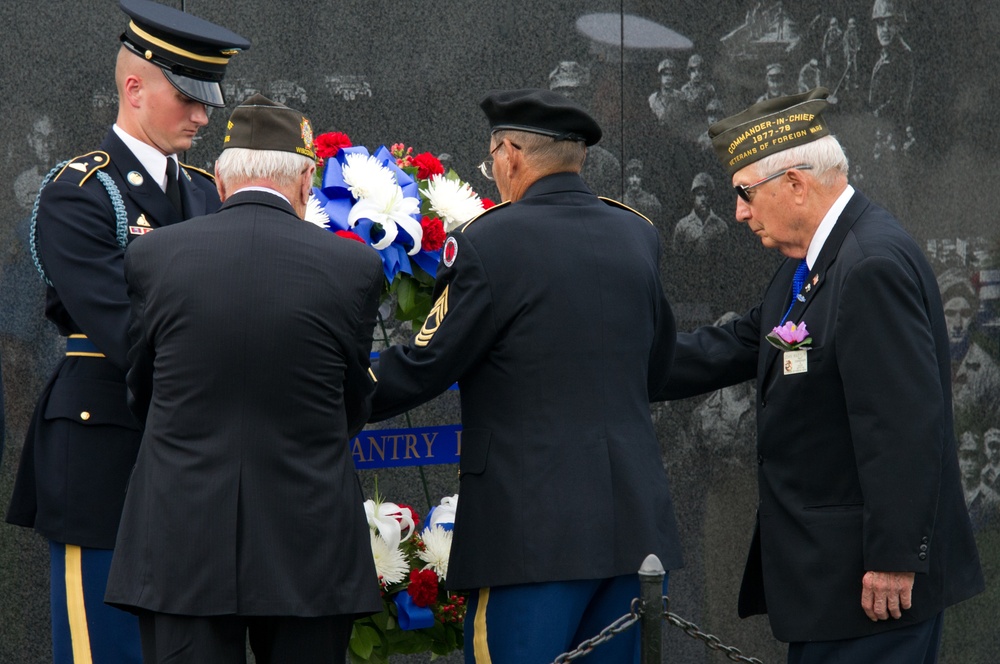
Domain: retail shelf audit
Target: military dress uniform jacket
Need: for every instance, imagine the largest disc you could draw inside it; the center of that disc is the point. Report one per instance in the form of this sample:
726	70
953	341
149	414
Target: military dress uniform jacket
551	316
250	363
857	464
82	442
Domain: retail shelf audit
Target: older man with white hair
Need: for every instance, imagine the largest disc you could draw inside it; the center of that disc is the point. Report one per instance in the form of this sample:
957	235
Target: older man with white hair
862	535
251	332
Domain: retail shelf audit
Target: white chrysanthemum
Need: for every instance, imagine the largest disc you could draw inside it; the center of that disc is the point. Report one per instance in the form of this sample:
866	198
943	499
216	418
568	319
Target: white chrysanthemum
453	201
366	177
315	214
390	563
437	550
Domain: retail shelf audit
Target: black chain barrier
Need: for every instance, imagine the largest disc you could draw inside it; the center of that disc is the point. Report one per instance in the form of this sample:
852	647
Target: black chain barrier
630	619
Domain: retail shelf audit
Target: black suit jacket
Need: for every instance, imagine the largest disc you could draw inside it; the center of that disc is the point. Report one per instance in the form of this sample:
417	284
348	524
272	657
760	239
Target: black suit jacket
82	442
552	319
857	461
251	334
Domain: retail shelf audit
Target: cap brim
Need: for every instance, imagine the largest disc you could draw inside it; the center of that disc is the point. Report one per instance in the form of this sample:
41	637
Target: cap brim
207	92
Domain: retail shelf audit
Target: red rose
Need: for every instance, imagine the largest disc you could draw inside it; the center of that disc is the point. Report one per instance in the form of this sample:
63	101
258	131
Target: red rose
487	203
327	145
434	234
423	587
427	165
350	235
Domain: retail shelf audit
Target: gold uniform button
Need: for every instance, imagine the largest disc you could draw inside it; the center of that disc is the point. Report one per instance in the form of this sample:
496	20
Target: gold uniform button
84	416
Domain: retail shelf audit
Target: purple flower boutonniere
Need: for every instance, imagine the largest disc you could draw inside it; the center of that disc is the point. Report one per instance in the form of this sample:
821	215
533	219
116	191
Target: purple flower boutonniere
790	337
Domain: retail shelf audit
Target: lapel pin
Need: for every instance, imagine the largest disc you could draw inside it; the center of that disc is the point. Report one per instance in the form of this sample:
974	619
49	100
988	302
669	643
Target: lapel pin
135	177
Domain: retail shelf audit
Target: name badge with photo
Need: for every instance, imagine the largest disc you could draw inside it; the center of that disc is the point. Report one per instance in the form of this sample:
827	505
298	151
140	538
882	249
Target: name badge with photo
795	362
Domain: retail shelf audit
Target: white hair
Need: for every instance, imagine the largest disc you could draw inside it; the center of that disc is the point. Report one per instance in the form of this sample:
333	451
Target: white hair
241	165
825	155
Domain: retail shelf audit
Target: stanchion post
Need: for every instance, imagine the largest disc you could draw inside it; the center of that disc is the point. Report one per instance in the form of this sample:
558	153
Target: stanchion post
651	581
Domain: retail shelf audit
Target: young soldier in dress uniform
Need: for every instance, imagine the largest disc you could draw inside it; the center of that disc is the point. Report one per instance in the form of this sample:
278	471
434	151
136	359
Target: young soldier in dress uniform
83	440
550	315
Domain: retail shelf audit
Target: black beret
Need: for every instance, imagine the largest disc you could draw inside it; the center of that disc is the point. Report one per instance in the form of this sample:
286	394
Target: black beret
192	52
768	127
261	124
540	112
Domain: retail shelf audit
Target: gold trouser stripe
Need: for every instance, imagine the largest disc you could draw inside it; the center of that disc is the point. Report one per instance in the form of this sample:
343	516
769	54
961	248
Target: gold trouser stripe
175	49
76	610
480	647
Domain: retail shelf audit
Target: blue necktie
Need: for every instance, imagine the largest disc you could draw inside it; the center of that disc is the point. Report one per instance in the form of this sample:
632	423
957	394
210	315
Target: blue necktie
801	272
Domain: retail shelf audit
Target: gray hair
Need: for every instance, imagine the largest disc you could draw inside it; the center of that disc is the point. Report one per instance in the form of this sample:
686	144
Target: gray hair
825	155
242	165
546	153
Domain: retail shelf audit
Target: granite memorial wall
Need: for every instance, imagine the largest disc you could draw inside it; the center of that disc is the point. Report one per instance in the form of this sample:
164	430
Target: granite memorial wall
915	92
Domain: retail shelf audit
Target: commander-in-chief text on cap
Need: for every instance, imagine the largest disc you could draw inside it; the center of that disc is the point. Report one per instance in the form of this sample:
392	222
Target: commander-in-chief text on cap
261	124
768	127
192	52
540	112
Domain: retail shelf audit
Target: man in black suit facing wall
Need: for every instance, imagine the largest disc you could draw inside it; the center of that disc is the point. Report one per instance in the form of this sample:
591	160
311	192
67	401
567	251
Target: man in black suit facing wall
251	332
862	534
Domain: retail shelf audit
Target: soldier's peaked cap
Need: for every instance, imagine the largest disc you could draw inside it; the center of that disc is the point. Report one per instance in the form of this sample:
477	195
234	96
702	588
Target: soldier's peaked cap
192	52
540	112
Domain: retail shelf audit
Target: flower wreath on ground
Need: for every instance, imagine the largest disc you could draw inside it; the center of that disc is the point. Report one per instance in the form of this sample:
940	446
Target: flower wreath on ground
402	205
418	614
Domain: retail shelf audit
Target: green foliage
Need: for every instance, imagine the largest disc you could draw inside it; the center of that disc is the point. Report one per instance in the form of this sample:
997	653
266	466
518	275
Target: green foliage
413	296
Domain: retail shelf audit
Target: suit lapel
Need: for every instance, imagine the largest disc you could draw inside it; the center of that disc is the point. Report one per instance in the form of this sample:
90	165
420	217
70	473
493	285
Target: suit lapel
814	282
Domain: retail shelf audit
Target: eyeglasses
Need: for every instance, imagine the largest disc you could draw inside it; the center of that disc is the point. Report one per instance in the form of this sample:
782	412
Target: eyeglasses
486	167
743	191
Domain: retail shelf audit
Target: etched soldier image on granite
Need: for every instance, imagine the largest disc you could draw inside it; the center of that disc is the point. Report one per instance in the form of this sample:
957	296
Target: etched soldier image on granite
809	76
698	90
638	198
982	500
699	232
833	51
991	470
960	305
668	103
852	45
891	91
774	78
714	111
601	171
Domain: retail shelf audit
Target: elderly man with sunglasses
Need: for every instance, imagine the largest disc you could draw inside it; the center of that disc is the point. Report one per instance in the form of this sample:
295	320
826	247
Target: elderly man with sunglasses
862	535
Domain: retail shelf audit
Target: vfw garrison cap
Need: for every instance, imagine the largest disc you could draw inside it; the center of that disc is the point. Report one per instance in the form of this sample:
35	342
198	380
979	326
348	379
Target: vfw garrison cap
540	112
261	124
192	52
768	127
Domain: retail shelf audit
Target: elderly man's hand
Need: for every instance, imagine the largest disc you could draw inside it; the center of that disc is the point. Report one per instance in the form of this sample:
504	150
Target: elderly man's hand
886	593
